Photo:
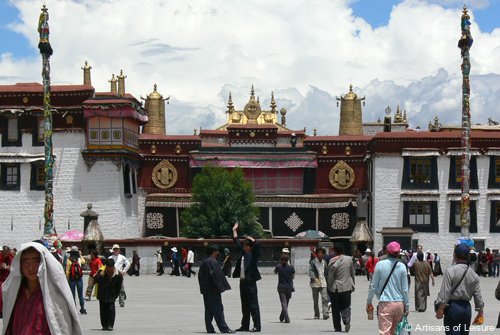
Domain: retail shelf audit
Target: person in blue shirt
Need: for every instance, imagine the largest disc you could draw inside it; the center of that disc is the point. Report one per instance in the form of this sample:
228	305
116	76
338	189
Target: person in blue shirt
394	299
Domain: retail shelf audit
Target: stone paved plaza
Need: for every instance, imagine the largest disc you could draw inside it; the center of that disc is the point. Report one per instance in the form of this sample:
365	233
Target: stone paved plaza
170	305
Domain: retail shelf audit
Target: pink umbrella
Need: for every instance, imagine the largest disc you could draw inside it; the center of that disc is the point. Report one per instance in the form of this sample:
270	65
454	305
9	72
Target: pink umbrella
72	235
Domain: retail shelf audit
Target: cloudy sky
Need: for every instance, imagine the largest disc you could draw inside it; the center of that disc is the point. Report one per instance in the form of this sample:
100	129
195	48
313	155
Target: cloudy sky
306	51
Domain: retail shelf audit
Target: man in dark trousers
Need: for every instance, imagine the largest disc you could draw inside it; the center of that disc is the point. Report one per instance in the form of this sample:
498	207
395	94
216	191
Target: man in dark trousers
212	283
110	282
249	254
460	284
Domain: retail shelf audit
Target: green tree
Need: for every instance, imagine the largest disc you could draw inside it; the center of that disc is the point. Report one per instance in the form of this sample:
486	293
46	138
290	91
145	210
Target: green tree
220	198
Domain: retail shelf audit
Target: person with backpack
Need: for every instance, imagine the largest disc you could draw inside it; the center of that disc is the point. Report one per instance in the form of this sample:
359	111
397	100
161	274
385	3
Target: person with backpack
74	274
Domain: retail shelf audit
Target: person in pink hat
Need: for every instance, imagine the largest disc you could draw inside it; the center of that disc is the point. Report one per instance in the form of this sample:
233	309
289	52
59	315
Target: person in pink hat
390	284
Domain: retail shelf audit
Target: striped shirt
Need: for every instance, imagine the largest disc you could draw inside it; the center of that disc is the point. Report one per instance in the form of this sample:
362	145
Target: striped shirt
29	314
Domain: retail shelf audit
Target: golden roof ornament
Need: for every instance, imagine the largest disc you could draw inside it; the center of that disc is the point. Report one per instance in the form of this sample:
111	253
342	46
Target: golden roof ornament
283	113
113	82
252	109
351	114
155	107
398	118
273	103
86	74
404	117
121	84
315	131
230	106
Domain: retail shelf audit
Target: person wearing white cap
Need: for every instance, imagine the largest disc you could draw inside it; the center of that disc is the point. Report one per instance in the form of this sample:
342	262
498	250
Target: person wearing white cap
121	264
175	258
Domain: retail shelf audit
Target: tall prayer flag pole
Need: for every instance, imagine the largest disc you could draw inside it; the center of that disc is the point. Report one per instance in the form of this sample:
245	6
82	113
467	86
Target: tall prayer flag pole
464	44
49	232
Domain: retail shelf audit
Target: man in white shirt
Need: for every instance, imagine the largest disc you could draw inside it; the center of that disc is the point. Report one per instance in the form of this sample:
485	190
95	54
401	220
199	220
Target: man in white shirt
190	262
121	264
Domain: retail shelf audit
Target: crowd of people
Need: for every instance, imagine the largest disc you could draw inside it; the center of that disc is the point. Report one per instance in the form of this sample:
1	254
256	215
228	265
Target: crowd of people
180	261
34	274
35	300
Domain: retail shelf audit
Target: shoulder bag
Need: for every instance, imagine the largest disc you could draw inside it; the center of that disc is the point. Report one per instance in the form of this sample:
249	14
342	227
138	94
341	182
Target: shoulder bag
436	303
387	280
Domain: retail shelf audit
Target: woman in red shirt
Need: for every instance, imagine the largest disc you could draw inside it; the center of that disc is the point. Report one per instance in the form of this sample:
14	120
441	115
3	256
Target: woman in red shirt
370	264
95	264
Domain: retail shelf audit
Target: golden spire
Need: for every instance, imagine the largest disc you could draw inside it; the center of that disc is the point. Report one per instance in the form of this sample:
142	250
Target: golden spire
273	103
258	100
404	117
230	106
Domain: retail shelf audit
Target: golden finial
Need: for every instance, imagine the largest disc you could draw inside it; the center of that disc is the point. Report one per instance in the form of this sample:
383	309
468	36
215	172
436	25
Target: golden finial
230	106
258	100
273	103
195	131
44	8
315	131
155	87
465	9
404	116
350	88
283	113
252	93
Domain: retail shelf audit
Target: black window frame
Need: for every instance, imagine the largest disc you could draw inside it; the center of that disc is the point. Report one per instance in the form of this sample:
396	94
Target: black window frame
473	217
407	180
4	184
126	181
34	184
433	227
5	133
36	142
492	182
453	183
494	217
134	181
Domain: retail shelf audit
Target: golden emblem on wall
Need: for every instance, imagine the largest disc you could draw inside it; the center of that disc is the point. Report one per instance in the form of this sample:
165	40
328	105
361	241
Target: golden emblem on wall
342	176
164	174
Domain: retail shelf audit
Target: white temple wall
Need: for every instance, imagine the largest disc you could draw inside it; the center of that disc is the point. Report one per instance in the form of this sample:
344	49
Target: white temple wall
388	204
22	210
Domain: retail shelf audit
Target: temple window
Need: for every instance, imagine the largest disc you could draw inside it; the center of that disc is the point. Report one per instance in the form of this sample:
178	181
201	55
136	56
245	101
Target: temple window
11	134
456	216
38	130
11	179
494	175
421	216
420	173
126	181
455	180
37	176
134	182
276	181
495	217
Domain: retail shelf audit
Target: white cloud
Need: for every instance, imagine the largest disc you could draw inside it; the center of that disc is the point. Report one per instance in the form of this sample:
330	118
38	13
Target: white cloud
307	52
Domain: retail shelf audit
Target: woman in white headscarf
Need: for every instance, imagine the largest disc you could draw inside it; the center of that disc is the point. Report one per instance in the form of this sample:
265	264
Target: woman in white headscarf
58	302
